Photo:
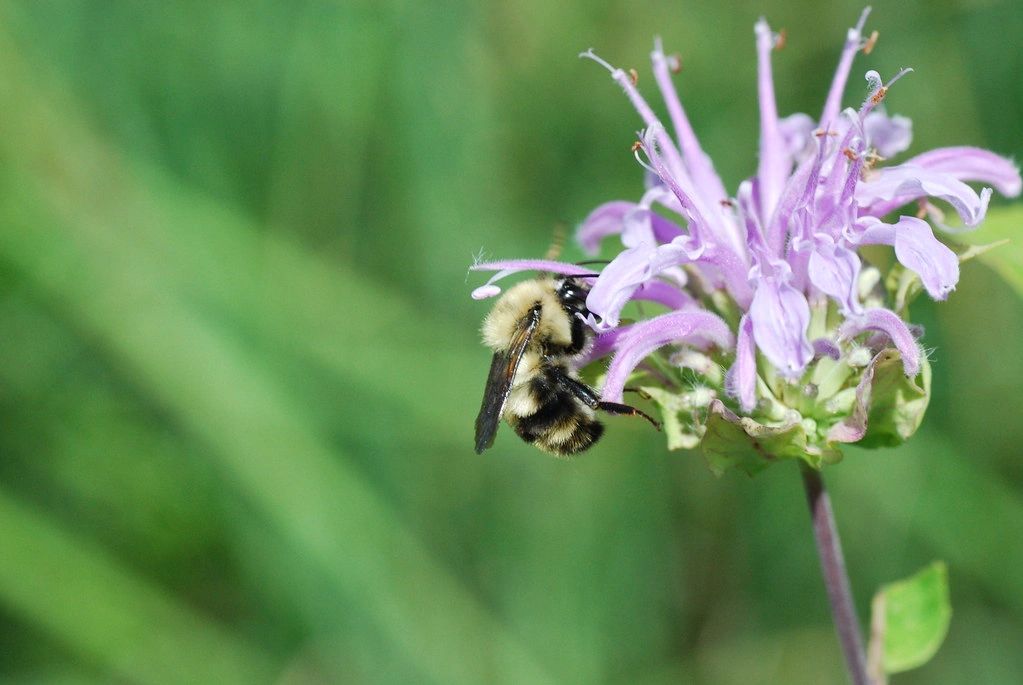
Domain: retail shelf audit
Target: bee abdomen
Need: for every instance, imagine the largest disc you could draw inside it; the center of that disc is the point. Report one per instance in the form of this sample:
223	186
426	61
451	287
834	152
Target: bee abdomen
571	439
559	425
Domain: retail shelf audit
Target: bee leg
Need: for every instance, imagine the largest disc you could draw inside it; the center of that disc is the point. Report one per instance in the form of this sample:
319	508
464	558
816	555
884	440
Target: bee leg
639	391
625	409
589	397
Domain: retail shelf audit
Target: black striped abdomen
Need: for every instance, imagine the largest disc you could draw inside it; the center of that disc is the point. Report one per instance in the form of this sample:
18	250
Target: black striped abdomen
560	425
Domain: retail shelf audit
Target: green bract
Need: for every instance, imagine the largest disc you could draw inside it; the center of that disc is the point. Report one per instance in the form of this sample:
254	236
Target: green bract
733	441
863	397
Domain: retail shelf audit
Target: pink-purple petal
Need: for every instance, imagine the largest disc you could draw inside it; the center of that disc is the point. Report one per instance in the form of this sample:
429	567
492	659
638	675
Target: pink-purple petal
916	248
700	166
616	285
643	338
655	128
825	347
972	164
889	323
653	146
643	224
548	265
834	269
889	135
663	293
512	266
774	161
852	45
635	222
633	268
797	132
607	219
781	317
718	250
799	192
741	379
665	231
892	187
603	345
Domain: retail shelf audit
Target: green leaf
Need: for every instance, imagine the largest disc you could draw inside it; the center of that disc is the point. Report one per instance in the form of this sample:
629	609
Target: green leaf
104	611
1004	223
65	260
731	441
911	619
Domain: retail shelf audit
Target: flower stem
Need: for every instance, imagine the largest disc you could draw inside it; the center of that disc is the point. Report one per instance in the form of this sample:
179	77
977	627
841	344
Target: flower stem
829	548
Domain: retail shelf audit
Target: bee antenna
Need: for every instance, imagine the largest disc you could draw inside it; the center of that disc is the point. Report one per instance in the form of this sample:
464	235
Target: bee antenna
593	261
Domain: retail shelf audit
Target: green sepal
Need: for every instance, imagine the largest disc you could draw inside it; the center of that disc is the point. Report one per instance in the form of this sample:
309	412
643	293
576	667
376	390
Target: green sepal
903	286
730	441
726	308
910	620
897	403
680	435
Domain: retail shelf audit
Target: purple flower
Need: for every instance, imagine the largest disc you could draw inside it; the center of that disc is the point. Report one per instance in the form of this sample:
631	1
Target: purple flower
789	237
769	280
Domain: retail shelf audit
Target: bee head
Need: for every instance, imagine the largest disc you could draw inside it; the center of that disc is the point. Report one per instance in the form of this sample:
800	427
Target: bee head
572	294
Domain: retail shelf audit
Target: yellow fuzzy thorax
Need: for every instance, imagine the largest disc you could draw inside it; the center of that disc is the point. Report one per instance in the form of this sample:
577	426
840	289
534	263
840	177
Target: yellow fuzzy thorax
555	325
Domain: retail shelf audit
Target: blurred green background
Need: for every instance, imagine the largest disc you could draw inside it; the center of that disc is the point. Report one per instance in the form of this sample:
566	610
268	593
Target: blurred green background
240	365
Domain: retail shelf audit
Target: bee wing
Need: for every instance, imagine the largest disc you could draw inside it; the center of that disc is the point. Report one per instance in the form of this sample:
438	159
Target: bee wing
502	372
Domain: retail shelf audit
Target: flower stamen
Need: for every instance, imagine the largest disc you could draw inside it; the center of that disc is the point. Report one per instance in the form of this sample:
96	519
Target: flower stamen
638	147
590	54
781	39
868	45
852	45
878	91
872	158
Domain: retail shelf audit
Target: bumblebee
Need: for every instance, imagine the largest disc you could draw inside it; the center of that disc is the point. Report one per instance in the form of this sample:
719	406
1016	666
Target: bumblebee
536	331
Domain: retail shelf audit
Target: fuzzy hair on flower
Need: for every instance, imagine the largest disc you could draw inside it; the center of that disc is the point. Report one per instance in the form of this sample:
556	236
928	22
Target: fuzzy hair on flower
779	340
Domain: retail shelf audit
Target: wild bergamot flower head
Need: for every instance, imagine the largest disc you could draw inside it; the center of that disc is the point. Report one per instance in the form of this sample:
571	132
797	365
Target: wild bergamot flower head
780	340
